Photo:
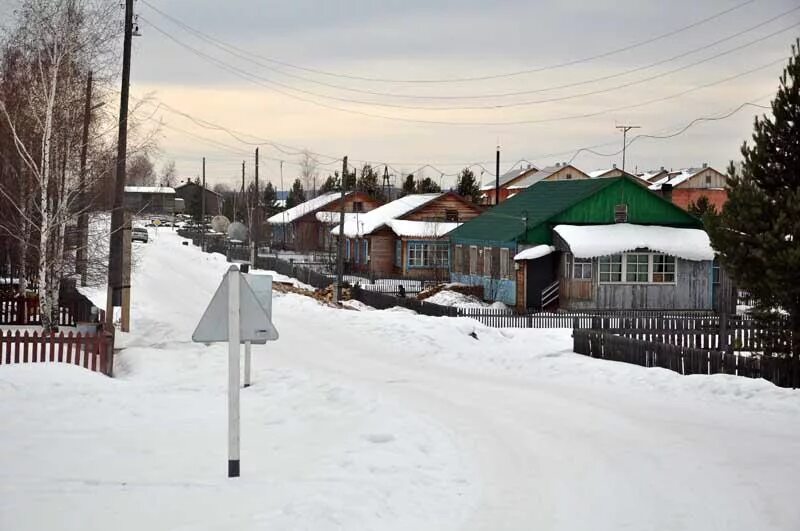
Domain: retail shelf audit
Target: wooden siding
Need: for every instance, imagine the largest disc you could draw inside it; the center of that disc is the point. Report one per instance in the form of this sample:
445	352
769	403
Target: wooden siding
691	291
368	203
381	252
567	173
437	209
707	178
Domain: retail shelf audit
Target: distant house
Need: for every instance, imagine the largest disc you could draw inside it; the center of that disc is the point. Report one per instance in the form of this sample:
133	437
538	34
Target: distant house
605	243
191	193
507	179
653	176
300	229
686	186
613	171
150	200
559	172
406	237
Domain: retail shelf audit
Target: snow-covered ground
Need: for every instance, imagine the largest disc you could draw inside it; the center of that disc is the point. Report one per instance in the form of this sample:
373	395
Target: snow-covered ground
383	420
448	297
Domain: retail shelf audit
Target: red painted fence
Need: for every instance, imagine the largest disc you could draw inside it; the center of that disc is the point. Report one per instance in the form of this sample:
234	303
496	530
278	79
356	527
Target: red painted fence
90	351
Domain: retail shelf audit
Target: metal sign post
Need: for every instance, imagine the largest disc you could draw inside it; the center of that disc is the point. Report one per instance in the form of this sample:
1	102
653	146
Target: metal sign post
239	312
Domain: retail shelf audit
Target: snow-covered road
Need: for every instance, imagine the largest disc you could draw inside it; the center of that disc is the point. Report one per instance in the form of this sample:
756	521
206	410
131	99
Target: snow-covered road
384	420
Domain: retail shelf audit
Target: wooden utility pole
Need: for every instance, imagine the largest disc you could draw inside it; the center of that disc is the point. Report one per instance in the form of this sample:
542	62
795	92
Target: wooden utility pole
83	215
115	258
497	177
203	209
625	129
255	230
340	243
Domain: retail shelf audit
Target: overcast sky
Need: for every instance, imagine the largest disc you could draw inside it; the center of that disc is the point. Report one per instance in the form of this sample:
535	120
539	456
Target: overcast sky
451	40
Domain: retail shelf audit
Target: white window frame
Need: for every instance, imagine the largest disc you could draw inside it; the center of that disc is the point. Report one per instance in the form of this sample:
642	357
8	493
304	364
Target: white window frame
366	251
633	267
504	263
650	270
584	265
416	254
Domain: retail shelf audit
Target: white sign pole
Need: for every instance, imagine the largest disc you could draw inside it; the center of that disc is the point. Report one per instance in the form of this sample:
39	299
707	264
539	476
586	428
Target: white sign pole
233	373
247	363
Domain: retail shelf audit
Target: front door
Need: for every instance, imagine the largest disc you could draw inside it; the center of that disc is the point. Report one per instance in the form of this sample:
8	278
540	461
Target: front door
539	274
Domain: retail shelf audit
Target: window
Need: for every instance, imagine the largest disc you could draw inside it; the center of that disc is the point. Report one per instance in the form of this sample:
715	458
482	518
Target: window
567	265
365	255
424	254
487	262
582	269
473	260
358	206
505	269
611	268
569	176
637	267
356	247
398	253
621	213
708	179
347	249
663	268
458	265
451	215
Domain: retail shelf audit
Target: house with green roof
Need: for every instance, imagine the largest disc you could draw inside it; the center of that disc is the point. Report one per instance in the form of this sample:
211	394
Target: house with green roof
587	244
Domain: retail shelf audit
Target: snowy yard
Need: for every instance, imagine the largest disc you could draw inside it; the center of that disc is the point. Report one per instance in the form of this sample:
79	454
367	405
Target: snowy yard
383	420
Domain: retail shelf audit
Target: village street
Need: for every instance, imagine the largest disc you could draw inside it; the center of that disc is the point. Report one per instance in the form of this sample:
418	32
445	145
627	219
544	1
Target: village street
383	420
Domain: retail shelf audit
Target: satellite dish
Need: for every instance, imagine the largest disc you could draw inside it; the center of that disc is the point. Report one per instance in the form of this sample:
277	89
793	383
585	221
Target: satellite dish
220	224
237	231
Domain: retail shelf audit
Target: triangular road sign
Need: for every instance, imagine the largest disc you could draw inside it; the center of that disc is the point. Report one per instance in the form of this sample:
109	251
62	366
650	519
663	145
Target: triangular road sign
255	324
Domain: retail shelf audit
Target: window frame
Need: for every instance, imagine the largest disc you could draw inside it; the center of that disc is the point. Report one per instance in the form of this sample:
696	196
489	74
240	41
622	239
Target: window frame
473	260
458	259
633	266
398	253
505	265
608	260
487	262
585	264
651	262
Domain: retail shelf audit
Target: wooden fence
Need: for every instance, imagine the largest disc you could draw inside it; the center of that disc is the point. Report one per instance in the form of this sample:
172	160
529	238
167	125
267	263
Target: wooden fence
383	301
499	318
22	311
783	371
90	351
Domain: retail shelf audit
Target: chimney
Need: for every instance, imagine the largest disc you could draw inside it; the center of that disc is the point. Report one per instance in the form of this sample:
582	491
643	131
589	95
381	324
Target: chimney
558	164
705	165
614	166
662	168
666	191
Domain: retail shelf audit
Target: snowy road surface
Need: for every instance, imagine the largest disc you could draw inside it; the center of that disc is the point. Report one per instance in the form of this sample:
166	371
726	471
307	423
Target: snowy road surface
384	420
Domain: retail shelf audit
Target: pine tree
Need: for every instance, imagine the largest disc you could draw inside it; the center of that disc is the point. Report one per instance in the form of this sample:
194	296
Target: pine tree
408	186
368	182
758	233
270	198
468	186
702	208
428	186
331	184
296	194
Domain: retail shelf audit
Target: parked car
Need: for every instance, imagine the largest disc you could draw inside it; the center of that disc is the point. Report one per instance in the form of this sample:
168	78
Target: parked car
139	234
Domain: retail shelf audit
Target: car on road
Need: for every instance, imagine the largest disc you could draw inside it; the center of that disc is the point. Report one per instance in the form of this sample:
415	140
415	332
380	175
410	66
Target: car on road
139	234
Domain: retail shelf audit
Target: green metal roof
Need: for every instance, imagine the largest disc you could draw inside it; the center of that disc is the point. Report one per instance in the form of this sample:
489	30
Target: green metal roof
581	201
538	203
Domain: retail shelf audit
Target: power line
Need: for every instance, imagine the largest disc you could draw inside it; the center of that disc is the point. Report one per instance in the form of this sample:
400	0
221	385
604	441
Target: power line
500	75
248	56
260	80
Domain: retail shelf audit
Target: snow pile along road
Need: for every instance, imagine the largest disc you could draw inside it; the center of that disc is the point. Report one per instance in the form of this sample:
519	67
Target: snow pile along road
384	420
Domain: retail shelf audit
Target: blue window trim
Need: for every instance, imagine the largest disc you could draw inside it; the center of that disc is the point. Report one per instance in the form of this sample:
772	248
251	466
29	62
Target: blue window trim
347	248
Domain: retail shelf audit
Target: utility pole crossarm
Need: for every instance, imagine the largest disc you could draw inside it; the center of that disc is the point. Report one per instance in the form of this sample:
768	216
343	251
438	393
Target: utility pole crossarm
625	129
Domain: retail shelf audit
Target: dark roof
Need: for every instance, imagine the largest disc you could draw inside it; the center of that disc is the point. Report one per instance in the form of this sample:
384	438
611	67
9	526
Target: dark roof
508	176
540	202
187	183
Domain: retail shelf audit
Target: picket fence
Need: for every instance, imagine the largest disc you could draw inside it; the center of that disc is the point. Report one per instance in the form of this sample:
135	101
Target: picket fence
90	351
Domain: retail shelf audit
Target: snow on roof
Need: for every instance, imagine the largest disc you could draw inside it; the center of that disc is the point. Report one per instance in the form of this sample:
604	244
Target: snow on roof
421	229
333	217
676	178
507	177
535	252
599	173
534	178
368	222
647	175
298	211
602	240
150	189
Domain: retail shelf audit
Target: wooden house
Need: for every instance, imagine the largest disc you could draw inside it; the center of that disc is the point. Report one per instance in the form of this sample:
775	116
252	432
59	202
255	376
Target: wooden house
192	195
613	171
489	188
158	200
686	186
406	237
587	244
306	227
558	172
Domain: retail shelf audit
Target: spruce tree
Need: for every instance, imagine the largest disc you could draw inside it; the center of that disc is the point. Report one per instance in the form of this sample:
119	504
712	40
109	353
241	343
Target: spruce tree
428	186
270	198
331	184
468	186
758	233
408	186
702	208
296	194
368	182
